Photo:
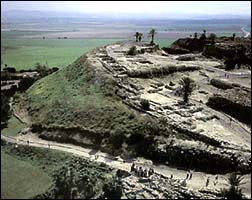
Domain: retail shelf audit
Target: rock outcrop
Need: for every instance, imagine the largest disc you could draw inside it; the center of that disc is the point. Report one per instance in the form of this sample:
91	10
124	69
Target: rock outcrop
235	102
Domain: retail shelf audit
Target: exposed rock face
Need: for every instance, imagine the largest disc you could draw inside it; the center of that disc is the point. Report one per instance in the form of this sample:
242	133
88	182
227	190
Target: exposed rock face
191	44
221	84
235	102
187	45
157	72
175	50
222	49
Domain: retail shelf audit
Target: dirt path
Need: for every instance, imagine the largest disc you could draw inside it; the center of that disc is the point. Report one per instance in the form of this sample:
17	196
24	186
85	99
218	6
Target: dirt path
198	179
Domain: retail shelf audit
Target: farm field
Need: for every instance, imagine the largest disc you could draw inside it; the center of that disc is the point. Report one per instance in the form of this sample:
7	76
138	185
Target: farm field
23	53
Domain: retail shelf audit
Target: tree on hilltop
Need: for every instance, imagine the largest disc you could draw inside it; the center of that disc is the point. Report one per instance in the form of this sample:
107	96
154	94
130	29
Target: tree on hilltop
152	33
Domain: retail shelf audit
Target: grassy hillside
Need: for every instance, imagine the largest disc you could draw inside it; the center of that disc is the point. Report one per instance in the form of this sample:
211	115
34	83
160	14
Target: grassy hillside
14	126
20	179
81	97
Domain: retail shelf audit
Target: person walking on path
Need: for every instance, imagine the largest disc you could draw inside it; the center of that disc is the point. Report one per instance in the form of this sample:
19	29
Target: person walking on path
146	173
216	180
187	175
132	169
136	170
191	173
151	171
140	172
207	181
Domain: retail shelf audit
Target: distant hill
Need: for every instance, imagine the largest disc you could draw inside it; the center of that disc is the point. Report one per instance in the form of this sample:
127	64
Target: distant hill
36	16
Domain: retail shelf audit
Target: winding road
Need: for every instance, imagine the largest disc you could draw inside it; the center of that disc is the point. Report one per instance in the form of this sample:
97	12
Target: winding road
197	182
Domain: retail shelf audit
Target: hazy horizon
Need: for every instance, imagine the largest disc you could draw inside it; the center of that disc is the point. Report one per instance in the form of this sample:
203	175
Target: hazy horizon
157	9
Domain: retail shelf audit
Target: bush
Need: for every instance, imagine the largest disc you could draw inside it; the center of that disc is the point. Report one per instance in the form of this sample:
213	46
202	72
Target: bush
117	138
10	69
229	63
113	189
212	37
132	51
142	51
25	83
234	191
135	138
41	69
5	107
145	104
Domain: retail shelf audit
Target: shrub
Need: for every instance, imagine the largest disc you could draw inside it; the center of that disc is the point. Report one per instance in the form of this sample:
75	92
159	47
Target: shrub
229	63
212	36
135	138
234	191
188	85
145	104
5	107
41	69
117	138
132	51
25	83
113	189
10	69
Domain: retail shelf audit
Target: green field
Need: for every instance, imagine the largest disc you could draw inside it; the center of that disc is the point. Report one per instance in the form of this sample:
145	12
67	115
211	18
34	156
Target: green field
24	53
14	126
27	171
20	179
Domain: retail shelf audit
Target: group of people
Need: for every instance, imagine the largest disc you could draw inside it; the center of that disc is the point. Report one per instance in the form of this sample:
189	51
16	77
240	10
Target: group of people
140	171
226	75
215	180
189	175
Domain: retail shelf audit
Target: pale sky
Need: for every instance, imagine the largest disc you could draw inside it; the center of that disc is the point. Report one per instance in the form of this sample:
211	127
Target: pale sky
141	7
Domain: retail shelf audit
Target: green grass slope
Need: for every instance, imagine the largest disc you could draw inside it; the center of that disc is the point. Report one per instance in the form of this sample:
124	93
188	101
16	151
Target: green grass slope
80	96
13	128
20	179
